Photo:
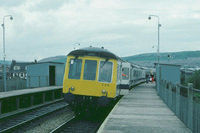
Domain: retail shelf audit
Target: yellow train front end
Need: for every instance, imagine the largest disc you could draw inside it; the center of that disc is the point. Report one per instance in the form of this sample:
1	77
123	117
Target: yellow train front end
90	80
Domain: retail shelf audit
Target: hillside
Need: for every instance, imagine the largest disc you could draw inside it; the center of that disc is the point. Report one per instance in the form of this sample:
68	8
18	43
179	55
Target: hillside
164	56
185	58
188	58
61	59
7	62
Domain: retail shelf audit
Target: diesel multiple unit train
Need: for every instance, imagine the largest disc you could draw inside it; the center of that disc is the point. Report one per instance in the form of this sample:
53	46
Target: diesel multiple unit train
95	76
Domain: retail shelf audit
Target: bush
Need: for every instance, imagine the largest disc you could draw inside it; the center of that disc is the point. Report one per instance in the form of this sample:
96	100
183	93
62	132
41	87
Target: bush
195	79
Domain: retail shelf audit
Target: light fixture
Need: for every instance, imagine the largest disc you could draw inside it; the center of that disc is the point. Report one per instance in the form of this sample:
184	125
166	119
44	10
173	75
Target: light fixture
103	91
72	88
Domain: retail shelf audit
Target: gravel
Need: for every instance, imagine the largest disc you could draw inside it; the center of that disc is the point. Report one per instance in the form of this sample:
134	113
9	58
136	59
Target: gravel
47	124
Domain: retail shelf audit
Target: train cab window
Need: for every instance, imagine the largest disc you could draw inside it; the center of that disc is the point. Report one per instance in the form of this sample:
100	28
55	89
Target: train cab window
125	73
90	70
105	71
75	69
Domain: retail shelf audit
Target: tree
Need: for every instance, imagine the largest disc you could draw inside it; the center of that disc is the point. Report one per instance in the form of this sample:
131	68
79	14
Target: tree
195	79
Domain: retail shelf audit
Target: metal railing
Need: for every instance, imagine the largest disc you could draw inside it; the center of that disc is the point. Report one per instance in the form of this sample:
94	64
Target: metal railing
18	83
183	101
13	84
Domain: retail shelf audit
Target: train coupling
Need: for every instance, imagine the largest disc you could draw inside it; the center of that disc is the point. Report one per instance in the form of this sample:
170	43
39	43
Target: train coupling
103	101
69	97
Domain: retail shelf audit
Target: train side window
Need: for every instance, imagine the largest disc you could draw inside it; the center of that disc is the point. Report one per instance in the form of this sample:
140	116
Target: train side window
125	73
105	71
75	69
90	70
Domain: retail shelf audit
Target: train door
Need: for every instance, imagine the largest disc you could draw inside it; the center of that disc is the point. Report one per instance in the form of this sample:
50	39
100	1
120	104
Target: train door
131	76
52	75
119	73
125	78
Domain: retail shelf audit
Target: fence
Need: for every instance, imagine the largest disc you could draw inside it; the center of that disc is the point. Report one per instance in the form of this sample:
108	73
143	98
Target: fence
17	83
183	101
13	84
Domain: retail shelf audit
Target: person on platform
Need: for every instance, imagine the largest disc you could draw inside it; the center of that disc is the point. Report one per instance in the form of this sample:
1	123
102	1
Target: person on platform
152	78
147	78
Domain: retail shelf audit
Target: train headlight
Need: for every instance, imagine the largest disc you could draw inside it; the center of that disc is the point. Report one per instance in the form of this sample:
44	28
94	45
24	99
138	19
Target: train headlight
103	91
72	88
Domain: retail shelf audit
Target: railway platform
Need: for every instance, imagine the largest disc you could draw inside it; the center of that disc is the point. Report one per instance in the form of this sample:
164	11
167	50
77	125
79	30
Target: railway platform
27	91
12	102
142	111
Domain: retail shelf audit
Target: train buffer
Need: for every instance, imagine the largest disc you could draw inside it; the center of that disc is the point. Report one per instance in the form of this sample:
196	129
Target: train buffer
142	111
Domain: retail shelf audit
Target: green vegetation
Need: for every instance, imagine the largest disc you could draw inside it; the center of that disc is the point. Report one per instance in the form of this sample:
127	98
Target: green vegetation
141	57
195	79
164	56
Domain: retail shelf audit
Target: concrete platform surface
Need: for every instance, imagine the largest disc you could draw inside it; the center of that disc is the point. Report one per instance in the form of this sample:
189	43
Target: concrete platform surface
142	111
27	91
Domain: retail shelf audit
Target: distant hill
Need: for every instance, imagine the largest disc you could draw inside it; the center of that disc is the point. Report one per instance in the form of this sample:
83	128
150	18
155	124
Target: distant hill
7	62
185	58
164	56
61	59
188	58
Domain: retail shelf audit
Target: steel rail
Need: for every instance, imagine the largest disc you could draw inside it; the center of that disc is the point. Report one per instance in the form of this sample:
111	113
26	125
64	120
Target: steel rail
56	130
34	117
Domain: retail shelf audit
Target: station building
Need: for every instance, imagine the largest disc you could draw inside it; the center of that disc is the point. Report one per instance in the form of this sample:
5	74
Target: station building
45	74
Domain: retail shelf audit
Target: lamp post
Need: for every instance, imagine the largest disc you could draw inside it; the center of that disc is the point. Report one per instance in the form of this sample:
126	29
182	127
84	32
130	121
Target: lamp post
157	52
158	67
4	50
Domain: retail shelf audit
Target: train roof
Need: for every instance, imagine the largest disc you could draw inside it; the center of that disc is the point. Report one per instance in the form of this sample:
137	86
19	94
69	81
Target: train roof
94	51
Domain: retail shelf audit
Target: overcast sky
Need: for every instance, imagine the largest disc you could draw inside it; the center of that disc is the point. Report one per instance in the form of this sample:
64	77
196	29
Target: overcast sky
43	28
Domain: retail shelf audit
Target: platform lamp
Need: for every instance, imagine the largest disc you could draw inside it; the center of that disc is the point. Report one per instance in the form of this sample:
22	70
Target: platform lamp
158	67
4	50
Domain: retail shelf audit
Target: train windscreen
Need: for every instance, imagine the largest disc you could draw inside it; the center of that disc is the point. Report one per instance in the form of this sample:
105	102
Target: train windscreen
75	69
90	70
105	71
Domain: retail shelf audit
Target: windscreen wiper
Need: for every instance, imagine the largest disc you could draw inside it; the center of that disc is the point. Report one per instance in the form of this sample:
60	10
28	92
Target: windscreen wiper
104	63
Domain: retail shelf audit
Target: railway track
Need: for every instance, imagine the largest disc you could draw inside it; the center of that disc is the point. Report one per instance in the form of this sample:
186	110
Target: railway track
13	123
79	124
31	119
87	122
